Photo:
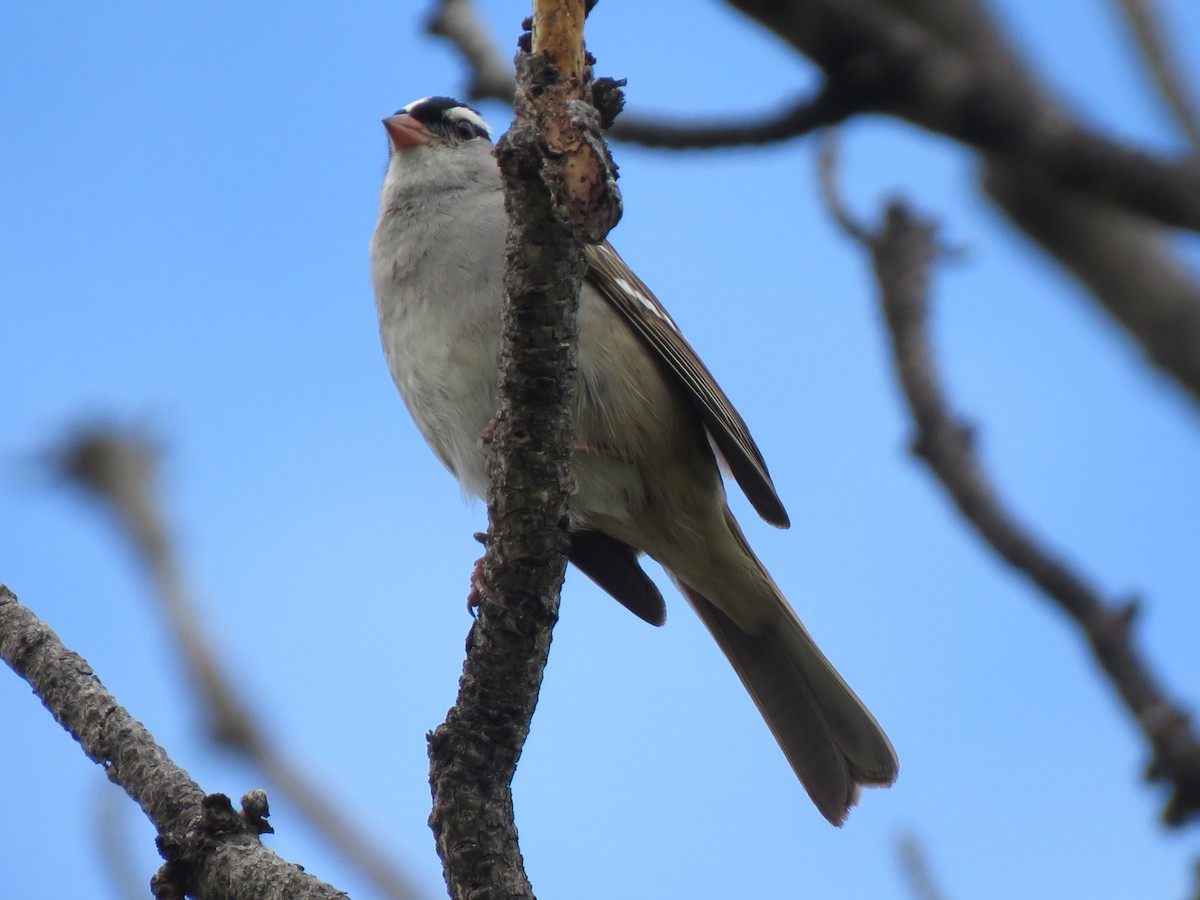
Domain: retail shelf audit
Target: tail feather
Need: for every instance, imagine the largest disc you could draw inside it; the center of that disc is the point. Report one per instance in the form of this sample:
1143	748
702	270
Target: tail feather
833	743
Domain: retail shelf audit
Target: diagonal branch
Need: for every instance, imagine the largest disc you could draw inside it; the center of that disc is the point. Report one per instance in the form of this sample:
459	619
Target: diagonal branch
902	251
915	867
211	850
1122	260
491	75
1152	43
1163	315
119	470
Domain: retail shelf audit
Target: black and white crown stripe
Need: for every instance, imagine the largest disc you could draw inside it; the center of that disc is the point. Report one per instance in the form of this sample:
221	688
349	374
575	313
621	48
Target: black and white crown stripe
433	110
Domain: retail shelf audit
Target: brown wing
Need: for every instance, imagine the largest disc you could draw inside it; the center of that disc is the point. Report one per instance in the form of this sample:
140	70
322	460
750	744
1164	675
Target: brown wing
609	274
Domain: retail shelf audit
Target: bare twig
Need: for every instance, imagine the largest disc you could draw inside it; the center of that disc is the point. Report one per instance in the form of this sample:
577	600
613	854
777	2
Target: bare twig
1156	51
827	107
553	199
902	251
119	470
210	849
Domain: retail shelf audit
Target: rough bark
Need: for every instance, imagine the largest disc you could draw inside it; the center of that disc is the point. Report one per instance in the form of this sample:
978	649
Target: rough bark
212	851
559	192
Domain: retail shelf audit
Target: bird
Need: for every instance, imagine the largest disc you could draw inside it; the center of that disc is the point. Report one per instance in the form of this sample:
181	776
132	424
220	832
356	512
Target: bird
652	431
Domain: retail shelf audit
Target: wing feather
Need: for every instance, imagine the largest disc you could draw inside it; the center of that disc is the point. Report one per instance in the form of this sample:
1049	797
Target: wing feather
609	274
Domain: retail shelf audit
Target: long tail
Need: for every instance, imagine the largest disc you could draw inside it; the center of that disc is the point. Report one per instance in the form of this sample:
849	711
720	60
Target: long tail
830	738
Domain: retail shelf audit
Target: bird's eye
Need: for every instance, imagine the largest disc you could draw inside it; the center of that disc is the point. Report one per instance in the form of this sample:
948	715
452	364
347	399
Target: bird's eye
464	129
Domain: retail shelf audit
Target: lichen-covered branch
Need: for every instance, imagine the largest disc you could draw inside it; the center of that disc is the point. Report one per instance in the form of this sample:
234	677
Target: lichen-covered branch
559	192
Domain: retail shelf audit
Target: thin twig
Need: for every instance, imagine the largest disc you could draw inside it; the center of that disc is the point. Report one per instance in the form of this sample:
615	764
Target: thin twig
119	469
1164	68
903	250
803	116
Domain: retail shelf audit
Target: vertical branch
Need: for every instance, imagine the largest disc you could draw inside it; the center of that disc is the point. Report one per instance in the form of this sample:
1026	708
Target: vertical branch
558	35
559	192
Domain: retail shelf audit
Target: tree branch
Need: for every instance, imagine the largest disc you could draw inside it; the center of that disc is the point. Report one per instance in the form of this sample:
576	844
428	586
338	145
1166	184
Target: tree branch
211	851
1161	315
916	869
803	116
490	74
489	78
892	65
119	469
1148	35
1087	235
1121	260
559	190
902	251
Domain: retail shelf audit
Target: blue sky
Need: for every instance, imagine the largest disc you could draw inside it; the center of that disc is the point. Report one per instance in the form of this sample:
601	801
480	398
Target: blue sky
187	196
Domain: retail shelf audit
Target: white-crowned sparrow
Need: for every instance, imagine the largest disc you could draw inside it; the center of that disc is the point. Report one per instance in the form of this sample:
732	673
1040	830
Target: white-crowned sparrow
650	424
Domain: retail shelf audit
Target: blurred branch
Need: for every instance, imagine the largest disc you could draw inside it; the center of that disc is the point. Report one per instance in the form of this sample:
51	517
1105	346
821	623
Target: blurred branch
976	89
916	868
116	851
555	197
491	75
890	64
211	851
119	470
1148	35
1122	259
902	250
803	116
490	78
